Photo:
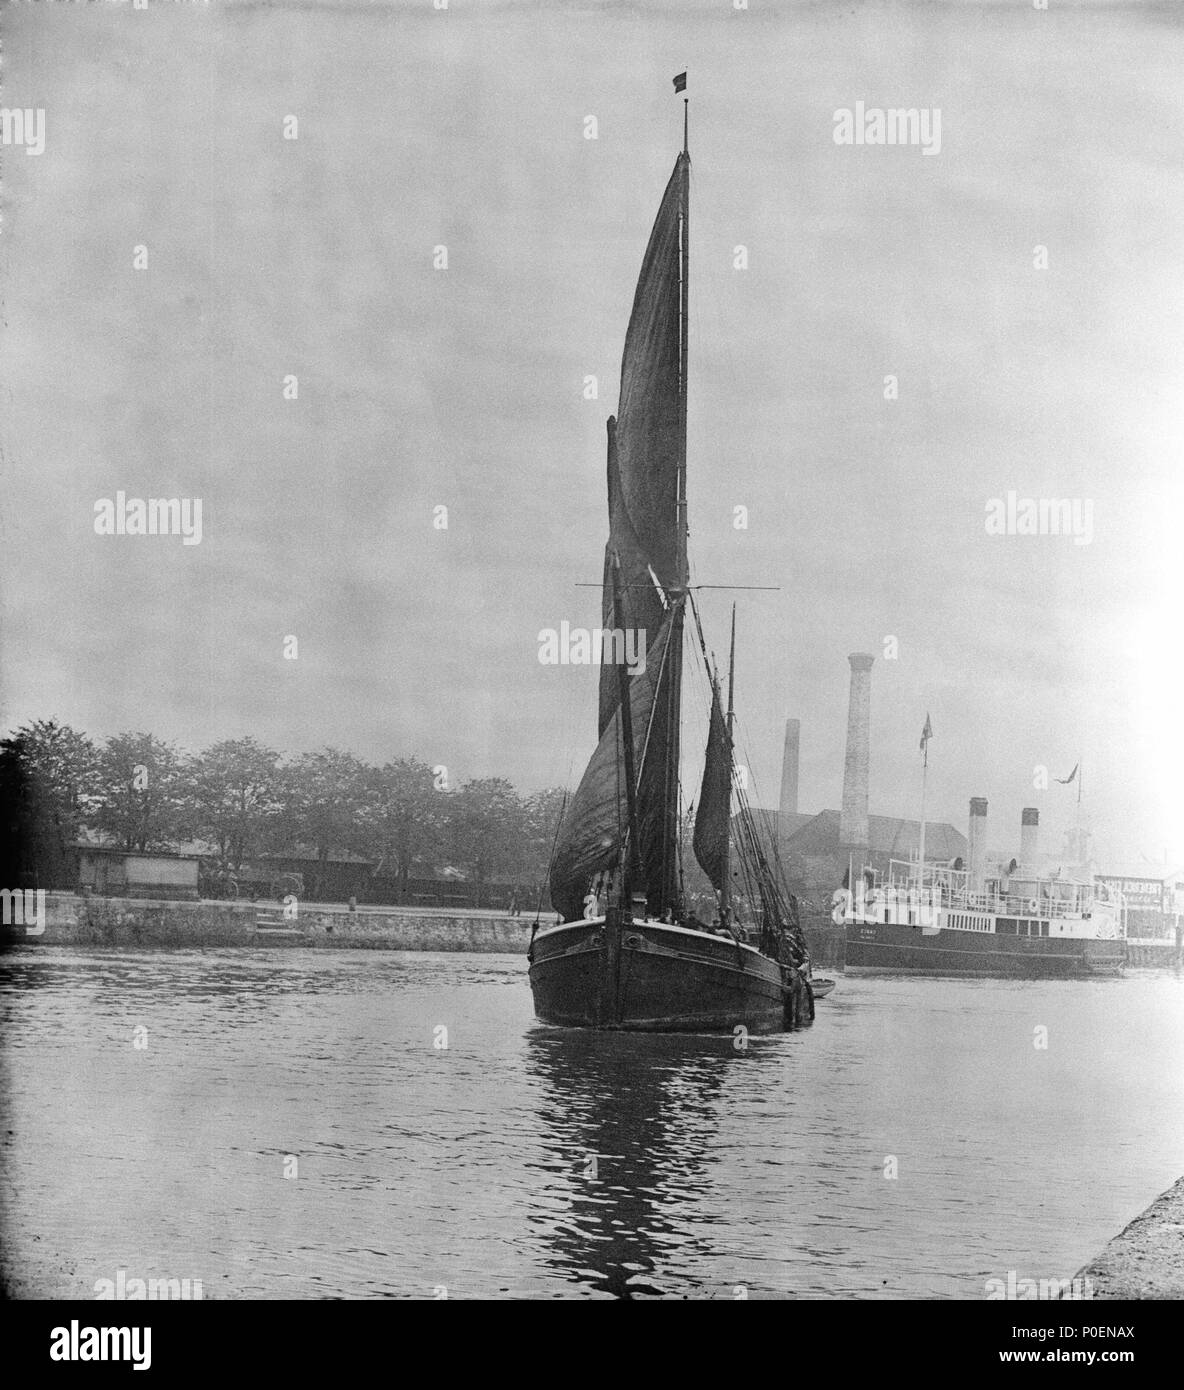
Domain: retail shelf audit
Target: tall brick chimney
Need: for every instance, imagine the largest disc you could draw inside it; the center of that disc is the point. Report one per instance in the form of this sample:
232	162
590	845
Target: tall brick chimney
853	821
976	854
1029	838
789	772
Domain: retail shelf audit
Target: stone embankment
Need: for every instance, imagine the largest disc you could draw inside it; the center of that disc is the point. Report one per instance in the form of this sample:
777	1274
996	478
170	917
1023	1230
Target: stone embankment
1147	1259
142	923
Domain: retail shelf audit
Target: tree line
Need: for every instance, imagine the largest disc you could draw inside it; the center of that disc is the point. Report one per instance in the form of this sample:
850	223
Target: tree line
244	799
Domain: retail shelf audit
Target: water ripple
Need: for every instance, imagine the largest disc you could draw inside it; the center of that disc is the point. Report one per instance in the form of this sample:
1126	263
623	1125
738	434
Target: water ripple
294	1128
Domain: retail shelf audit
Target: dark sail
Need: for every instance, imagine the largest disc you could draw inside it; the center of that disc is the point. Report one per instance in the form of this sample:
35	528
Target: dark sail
649	430
646	455
594	826
645	438
713	818
641	603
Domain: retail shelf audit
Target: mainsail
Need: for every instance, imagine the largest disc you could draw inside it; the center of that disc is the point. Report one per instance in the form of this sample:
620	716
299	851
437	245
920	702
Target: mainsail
647	539
597	817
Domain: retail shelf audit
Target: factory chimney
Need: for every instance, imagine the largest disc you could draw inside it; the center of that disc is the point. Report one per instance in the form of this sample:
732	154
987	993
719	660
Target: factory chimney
853	819
789	773
976	855
1029	838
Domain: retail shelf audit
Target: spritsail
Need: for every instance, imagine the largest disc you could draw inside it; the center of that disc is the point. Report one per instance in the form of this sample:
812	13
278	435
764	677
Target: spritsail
646	459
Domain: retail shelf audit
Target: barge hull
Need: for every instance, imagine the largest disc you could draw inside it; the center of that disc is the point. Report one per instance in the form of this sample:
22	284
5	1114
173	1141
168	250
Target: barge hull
670	979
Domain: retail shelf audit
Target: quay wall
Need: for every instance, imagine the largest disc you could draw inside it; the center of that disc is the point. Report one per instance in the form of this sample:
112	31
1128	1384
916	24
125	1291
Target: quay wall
1154	953
72	920
137	922
1146	1260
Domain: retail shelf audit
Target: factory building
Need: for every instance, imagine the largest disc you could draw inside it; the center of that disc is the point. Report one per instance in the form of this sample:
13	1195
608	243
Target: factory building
816	847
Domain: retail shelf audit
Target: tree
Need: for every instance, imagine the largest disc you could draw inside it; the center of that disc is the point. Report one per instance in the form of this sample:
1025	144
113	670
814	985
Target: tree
47	789
487	828
144	799
404	816
235	790
324	798
542	812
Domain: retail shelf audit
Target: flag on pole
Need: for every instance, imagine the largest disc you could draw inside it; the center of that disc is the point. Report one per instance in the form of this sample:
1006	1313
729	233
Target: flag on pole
926	733
1064	781
680	82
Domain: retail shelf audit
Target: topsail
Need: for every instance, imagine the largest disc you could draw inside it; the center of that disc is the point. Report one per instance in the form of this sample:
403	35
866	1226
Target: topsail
645	440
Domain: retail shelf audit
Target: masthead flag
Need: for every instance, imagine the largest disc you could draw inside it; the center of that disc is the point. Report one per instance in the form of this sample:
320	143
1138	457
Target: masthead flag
926	734
1064	781
680	82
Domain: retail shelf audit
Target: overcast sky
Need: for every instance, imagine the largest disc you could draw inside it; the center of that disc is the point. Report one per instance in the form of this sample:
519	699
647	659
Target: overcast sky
463	388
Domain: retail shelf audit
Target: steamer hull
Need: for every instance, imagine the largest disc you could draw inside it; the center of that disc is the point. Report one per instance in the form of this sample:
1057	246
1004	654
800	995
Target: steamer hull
929	920
892	948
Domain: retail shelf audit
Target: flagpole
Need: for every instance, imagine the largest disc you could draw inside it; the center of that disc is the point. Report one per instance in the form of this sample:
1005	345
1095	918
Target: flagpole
725	892
926	735
1077	824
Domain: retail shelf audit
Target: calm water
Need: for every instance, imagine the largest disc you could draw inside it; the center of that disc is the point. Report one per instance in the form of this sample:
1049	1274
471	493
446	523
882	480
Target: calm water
471	1166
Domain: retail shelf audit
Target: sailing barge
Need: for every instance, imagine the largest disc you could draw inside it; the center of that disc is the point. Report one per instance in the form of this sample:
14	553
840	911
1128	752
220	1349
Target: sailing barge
628	952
